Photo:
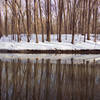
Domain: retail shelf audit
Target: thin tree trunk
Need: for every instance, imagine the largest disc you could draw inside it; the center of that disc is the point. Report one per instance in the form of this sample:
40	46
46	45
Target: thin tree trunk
19	22
73	18
60	17
88	24
42	28
27	14
51	28
65	22
95	29
48	19
1	31
6	19
35	20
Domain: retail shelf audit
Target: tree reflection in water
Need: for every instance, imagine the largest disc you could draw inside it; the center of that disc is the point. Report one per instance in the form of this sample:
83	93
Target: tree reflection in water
46	80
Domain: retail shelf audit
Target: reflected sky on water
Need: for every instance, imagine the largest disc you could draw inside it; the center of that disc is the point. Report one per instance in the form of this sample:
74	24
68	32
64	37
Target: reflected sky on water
49	79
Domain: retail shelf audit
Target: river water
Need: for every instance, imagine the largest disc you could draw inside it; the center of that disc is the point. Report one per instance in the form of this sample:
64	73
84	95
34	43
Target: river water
49	79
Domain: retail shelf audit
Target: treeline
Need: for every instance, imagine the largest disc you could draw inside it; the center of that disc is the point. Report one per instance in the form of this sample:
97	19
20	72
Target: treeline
49	17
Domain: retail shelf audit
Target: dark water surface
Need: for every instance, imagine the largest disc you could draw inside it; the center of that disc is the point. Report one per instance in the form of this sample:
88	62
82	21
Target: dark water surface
49	80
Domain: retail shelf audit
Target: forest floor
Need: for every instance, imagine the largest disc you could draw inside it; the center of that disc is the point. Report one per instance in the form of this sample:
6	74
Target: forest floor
7	45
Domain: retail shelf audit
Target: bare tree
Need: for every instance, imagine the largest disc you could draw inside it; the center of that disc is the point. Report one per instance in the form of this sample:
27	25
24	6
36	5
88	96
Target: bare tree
14	19
95	20
19	22
48	19
35	19
28	23
60	11
6	19
73	21
1	30
42	28
89	17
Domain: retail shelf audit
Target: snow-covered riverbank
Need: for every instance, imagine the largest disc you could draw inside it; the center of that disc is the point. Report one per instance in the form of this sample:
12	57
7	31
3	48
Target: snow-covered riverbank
8	44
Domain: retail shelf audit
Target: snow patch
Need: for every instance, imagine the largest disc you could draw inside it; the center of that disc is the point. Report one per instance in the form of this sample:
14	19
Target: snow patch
8	43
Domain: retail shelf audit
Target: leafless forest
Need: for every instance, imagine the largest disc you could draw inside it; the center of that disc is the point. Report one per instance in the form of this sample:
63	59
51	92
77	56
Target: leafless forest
48	17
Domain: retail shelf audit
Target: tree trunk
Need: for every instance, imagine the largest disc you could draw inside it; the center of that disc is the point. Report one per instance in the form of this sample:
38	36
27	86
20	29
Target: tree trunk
60	17
88	24
48	19
42	28
95	29
35	20
19	23
73	20
28	26
1	31
6	19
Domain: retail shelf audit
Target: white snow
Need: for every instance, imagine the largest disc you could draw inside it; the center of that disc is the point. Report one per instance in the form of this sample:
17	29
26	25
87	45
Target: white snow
8	43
